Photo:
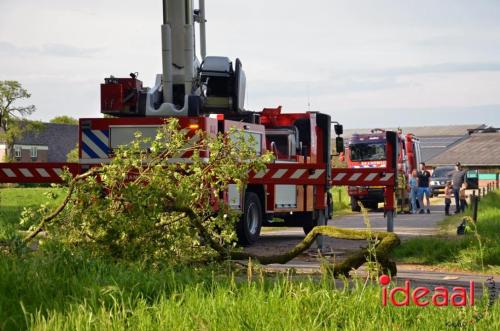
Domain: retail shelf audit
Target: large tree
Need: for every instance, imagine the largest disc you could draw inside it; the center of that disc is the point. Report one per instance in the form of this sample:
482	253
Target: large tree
13	121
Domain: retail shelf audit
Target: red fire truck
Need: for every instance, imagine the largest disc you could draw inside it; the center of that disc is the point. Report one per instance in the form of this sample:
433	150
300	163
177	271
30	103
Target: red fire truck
293	189
369	151
209	94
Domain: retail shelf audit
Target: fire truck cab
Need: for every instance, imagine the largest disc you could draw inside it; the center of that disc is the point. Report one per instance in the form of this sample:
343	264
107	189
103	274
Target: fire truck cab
369	151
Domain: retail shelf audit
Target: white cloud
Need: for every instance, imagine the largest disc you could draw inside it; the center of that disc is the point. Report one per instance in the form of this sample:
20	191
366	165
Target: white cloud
58	50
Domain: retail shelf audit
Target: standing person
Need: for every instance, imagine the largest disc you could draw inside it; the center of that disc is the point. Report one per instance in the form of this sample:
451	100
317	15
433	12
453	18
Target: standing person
457	178
413	191
423	188
463	197
402	191
448	189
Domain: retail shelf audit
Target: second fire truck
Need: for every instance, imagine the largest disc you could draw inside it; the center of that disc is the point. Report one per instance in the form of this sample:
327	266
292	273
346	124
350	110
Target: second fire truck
369	151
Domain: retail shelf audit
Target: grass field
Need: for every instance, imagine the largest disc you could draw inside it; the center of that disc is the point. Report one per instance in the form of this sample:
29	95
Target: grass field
341	201
14	200
469	252
55	288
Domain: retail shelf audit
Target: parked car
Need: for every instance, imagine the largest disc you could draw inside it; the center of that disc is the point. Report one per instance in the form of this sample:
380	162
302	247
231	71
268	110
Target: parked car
439	178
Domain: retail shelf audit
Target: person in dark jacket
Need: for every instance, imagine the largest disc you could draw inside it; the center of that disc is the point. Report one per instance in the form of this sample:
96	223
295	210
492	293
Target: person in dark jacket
423	188
457	178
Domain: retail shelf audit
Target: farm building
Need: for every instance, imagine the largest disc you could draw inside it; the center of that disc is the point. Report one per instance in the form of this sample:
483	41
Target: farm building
481	151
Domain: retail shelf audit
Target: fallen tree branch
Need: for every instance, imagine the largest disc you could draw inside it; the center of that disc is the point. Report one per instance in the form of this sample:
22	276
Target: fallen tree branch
61	207
388	241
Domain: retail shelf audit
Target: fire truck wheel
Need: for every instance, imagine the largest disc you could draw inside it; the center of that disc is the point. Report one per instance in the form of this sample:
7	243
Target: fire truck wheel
248	228
354	205
372	205
308	227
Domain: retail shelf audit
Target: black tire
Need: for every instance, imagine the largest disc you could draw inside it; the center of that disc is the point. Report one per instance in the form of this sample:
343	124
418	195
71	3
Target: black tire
311	222
309	226
371	205
354	205
248	228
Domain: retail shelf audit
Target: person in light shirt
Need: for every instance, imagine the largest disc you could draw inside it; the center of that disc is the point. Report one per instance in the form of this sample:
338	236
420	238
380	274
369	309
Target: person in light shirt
413	183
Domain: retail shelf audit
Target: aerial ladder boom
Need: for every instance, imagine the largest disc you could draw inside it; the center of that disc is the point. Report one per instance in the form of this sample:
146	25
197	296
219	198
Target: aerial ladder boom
186	86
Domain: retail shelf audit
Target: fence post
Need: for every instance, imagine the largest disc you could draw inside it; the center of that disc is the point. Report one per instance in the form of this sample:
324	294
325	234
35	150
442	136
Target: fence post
475	203
497	181
320	240
484	191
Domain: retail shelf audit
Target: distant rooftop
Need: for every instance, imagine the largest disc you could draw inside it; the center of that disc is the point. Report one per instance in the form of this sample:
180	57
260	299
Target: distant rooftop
480	149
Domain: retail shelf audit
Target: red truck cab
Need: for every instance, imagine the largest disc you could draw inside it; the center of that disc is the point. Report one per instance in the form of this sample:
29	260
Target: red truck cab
369	151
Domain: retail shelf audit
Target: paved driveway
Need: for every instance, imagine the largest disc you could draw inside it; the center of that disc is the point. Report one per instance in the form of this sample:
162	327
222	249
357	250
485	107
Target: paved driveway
406	226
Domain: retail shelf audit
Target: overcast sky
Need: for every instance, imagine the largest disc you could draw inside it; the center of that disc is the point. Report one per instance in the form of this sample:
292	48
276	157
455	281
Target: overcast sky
367	63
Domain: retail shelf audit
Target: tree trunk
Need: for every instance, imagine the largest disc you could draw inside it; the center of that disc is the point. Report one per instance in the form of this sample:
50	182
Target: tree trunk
388	241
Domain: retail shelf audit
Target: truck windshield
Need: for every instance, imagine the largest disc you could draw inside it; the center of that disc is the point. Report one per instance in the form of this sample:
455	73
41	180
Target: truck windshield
367	151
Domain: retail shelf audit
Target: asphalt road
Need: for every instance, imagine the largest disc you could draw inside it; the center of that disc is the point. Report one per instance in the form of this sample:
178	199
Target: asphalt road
406	226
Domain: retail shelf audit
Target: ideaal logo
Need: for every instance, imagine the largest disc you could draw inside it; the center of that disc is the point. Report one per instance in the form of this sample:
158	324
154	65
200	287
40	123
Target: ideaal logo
439	296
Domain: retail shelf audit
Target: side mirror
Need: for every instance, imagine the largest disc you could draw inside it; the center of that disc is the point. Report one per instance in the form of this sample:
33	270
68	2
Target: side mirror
339	129
339	144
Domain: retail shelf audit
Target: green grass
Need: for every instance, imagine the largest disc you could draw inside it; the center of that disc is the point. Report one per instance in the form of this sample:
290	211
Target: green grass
14	200
460	252
54	289
341	201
